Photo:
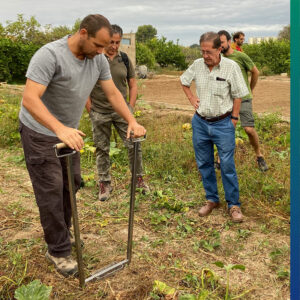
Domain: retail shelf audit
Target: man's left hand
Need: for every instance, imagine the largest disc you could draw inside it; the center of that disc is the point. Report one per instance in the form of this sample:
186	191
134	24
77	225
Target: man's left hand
234	122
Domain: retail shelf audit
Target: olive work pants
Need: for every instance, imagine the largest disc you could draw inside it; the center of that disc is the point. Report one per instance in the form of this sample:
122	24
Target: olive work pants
102	127
49	179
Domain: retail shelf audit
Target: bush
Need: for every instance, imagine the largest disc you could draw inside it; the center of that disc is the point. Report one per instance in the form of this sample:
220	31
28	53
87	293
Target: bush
14	59
271	57
144	56
191	53
167	53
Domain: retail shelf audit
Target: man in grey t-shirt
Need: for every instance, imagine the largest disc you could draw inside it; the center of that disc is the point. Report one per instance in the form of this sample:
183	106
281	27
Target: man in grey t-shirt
60	78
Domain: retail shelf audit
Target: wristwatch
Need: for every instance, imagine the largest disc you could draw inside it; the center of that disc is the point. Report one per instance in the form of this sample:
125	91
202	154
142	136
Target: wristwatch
234	118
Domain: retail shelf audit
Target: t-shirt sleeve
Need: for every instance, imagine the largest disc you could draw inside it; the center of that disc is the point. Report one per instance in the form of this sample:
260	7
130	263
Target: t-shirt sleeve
104	68
131	71
249	64
238	85
42	66
188	76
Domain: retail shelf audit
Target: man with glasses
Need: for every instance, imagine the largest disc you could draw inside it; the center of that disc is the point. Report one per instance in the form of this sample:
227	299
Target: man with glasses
219	87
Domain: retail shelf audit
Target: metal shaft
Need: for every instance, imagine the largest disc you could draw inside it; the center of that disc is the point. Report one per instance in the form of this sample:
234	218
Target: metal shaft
132	201
75	219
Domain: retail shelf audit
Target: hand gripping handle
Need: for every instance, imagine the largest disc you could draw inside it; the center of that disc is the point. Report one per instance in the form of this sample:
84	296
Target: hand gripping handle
62	150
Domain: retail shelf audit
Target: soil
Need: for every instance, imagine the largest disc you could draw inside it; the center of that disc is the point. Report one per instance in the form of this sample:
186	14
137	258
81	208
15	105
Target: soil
153	259
271	94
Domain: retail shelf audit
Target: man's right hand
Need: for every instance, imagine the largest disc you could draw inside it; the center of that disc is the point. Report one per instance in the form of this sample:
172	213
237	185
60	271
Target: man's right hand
137	129
71	137
192	98
194	101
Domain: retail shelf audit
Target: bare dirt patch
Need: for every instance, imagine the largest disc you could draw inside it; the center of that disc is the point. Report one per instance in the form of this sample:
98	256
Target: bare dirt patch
271	95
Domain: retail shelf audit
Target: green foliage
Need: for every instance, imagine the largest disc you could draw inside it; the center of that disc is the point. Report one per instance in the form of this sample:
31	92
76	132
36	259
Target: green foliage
35	290
194	46
171	238
144	56
30	31
20	39
211	243
76	25
145	33
191	53
228	268
271	57
167	53
22	30
9	111
285	33
14	59
162	289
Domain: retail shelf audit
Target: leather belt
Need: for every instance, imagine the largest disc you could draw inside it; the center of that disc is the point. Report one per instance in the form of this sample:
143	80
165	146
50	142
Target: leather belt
214	119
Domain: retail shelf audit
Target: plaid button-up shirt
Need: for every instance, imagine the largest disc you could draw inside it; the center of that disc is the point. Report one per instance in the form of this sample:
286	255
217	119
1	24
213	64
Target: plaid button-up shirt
217	88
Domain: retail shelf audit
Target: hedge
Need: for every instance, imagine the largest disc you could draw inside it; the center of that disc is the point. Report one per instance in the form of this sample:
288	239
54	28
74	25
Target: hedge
14	59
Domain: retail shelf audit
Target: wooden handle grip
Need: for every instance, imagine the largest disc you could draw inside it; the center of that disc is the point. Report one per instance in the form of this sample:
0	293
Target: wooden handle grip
61	146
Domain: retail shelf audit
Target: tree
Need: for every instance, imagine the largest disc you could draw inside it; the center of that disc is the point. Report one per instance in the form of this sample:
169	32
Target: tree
2	31
167	53
194	46
285	33
54	33
144	56
145	33
22	30
76	25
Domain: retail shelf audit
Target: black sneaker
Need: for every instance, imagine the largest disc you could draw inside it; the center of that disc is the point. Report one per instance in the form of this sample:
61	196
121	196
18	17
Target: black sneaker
262	164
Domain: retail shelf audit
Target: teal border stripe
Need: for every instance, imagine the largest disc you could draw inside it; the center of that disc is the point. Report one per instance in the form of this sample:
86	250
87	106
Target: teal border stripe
295	149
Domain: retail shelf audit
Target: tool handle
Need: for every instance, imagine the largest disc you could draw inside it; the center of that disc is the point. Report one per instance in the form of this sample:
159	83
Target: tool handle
61	150
61	146
138	139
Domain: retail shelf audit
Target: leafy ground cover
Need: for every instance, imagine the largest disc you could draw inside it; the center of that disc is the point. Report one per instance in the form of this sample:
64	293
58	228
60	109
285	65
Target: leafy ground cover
176	254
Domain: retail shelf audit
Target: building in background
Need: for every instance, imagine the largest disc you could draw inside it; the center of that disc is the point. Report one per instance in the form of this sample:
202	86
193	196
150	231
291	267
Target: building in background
257	40
128	46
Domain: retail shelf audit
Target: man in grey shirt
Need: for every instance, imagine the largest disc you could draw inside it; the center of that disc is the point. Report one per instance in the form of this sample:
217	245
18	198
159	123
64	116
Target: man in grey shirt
60	78
220	87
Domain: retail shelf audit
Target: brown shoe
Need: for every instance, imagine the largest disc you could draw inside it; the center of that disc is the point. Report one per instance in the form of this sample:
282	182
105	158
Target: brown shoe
140	184
236	214
65	265
104	190
208	208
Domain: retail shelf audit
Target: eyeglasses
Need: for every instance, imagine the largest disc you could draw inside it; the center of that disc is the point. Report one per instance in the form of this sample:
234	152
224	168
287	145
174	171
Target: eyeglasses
208	53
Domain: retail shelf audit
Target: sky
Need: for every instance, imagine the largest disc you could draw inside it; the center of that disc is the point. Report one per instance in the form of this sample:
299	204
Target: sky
185	20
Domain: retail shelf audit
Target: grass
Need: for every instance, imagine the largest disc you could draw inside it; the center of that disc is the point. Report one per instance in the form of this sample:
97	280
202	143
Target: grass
174	250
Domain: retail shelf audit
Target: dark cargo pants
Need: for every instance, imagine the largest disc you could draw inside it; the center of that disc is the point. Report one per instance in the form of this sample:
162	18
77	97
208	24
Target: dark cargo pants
49	179
102	127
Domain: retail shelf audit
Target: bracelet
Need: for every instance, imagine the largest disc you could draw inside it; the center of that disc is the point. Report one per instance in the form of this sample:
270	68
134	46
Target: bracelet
234	118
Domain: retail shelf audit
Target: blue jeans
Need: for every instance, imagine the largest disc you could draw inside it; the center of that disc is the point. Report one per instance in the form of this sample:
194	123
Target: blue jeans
222	134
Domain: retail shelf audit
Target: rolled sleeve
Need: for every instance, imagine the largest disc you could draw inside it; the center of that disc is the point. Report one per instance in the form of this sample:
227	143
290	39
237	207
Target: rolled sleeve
238	86
188	76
